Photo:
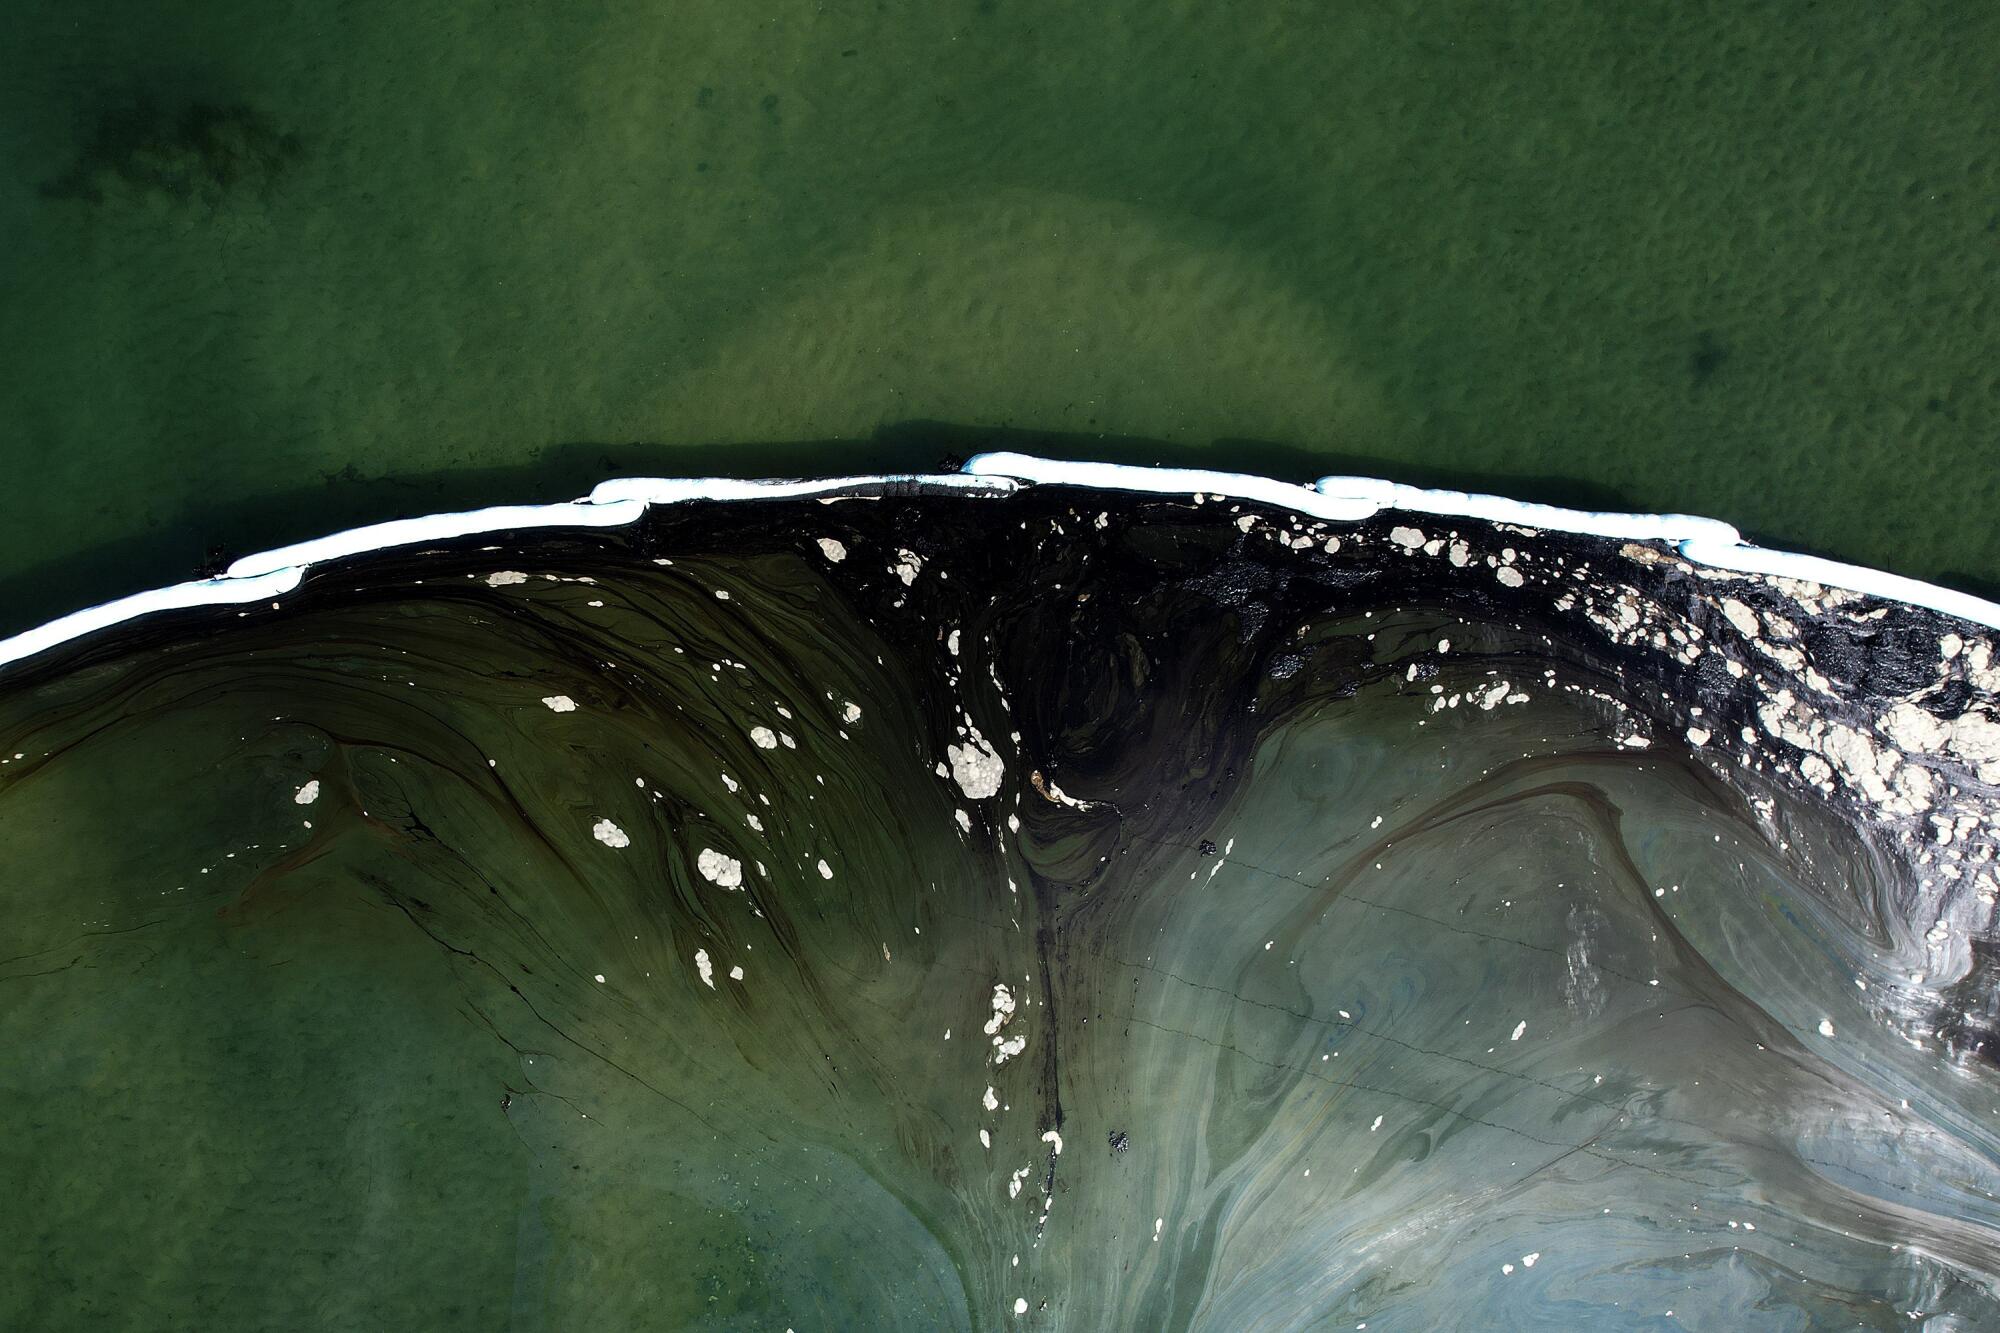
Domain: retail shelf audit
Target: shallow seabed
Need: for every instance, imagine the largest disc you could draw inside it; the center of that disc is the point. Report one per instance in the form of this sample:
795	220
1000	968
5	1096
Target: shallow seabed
1056	910
273	270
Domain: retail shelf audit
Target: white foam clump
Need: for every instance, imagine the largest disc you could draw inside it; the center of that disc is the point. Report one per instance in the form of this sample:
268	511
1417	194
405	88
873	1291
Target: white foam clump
1703	541
726	871
1005	1046
976	766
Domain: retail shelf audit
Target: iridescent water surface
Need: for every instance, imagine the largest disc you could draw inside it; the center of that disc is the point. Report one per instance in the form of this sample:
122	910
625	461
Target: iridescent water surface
1058	911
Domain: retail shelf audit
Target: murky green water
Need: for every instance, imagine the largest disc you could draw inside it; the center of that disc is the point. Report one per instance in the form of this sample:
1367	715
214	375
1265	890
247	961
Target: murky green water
1042	911
270	268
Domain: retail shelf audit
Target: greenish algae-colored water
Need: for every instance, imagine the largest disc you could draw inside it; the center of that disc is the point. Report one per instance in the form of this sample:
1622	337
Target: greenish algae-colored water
274	267
1457	929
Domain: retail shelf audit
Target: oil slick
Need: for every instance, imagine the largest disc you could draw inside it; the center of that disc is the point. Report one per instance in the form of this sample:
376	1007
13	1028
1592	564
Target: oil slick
1433	880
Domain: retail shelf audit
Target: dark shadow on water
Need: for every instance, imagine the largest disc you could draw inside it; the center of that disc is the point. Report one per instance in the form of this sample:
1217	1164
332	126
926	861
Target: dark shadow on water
1972	583
207	538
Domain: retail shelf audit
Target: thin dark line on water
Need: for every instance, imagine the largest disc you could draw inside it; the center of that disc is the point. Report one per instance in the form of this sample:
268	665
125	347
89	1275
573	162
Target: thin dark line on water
1411	1099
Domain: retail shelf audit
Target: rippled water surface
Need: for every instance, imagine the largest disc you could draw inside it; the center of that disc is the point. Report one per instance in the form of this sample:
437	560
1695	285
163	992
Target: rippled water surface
1061	910
274	268
1004	906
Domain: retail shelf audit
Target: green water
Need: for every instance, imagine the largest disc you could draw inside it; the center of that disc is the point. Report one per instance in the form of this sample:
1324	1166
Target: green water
271	267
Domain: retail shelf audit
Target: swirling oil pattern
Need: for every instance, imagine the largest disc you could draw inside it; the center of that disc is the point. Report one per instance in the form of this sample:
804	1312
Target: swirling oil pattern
1064	910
